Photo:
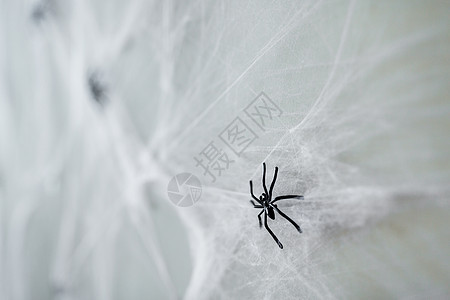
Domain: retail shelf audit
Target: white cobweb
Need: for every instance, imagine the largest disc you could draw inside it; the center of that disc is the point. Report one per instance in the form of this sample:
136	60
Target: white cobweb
363	87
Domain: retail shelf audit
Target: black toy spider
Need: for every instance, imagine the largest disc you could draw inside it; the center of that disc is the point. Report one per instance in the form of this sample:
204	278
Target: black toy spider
267	204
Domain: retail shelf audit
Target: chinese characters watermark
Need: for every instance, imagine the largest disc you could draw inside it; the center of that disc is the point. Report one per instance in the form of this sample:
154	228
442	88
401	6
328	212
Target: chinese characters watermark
237	136
262	110
213	161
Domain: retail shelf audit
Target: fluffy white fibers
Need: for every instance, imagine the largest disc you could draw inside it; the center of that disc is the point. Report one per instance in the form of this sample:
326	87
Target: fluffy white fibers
103	102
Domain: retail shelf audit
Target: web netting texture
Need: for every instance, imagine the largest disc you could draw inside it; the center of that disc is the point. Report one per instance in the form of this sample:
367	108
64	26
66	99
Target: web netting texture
103	102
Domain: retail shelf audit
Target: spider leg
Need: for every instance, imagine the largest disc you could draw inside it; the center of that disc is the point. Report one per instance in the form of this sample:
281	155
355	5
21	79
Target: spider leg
287	218
287	197
259	218
264	178
270	231
251	192
255	205
273	182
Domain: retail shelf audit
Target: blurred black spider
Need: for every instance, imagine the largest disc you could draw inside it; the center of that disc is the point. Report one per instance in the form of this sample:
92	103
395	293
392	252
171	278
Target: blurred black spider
267	204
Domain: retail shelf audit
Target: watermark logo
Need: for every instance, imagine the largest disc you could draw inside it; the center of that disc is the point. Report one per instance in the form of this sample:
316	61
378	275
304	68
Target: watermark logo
225	149
184	189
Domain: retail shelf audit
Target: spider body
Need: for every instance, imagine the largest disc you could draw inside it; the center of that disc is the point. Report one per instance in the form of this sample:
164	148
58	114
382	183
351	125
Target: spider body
268	206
